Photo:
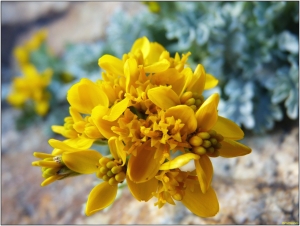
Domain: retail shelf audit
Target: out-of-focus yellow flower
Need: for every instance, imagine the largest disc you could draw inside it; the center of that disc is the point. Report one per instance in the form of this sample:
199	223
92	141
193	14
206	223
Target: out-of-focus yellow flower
149	107
31	87
153	6
36	40
22	52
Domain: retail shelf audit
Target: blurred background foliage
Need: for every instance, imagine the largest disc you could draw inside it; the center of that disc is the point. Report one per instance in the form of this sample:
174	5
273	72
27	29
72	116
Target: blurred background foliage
251	47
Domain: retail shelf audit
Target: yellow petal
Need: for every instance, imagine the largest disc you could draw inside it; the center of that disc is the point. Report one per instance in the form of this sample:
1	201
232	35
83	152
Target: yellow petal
142	191
86	95
111	64
103	126
142	44
75	115
144	166
80	143
187	116
58	129
117	110
201	177
84	162
50	180
232	148
207	114
131	72
100	197
163	97
117	149
60	145
207	168
228	129
159	66
210	81
179	161
155	51
170	77
42	155
198	82
203	205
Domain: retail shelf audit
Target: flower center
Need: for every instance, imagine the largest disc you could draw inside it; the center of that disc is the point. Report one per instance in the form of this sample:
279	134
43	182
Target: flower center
206	143
111	171
172	186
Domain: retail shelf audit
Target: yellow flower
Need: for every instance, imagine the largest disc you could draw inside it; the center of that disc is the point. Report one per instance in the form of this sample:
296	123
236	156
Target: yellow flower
66	161
22	52
36	40
31	87
153	6
149	108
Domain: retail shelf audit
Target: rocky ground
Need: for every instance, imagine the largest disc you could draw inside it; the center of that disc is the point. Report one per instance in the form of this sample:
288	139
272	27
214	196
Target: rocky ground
260	188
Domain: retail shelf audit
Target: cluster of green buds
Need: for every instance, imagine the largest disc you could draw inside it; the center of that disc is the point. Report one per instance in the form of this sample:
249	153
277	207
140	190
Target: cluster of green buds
111	171
206	143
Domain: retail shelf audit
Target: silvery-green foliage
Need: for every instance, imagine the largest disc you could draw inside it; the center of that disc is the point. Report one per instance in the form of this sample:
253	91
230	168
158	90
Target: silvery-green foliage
264	111
243	43
124	29
239	105
81	60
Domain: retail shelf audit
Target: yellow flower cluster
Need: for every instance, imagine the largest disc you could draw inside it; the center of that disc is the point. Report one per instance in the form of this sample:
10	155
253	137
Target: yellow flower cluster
32	85
150	109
